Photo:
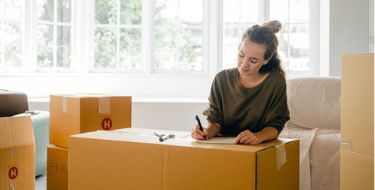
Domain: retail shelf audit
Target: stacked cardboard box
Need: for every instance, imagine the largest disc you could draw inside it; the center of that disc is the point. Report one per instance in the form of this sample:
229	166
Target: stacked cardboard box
135	159
17	153
357	122
71	115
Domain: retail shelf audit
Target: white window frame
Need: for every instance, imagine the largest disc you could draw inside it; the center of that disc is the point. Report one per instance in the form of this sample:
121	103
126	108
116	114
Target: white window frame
144	84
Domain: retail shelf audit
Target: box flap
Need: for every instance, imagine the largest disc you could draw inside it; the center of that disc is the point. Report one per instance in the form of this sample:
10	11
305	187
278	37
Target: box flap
16	131
181	138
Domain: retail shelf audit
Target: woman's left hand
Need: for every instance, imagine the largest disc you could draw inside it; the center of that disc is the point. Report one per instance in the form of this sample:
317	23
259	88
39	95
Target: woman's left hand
248	137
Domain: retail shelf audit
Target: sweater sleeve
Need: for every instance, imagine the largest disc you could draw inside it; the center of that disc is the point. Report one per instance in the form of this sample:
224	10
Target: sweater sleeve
214	111
278	113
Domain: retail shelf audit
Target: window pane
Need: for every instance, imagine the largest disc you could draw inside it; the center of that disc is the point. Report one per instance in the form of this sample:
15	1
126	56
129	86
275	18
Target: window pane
45	10
105	48
1	42
299	47
178	35
13	44
232	39
45	45
63	46
238	15
1	10
299	11
64	10
279	10
130	49
106	11
14	9
283	50
131	11
240	11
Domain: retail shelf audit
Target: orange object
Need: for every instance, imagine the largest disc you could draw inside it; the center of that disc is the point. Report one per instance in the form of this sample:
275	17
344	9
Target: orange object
79	114
135	159
57	168
17	153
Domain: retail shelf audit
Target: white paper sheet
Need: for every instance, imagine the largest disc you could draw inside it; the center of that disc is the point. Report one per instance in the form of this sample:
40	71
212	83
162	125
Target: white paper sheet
218	140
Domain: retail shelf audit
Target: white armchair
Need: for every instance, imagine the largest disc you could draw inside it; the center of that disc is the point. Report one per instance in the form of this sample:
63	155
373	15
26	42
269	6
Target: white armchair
314	105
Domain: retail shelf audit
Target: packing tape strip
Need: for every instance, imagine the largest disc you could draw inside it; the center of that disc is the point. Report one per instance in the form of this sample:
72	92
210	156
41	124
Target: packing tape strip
105	105
64	104
281	156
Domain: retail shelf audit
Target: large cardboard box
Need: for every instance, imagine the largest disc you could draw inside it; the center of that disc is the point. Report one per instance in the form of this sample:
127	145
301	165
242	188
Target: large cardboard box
356	171
79	114
135	159
57	168
357	122
17	153
357	103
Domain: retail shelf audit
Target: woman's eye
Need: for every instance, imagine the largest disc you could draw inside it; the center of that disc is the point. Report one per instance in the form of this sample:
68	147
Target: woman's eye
253	61
241	55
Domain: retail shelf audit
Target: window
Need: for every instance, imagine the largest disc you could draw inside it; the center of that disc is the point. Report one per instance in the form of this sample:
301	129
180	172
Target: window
53	35
12	34
162	48
118	33
294	38
238	15
178	36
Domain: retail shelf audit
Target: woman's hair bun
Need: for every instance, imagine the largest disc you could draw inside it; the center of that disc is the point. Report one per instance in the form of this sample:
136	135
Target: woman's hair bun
273	25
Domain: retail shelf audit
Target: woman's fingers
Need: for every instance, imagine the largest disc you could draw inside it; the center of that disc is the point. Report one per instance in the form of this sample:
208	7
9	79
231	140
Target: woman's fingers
197	133
246	137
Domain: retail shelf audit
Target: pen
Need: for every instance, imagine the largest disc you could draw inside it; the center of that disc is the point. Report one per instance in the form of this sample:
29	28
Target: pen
163	138
200	125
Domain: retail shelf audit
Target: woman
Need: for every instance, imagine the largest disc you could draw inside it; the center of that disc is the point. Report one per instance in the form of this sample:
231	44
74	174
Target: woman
249	101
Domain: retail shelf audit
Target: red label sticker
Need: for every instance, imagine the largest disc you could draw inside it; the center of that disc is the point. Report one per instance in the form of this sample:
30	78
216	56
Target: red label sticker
107	123
12	173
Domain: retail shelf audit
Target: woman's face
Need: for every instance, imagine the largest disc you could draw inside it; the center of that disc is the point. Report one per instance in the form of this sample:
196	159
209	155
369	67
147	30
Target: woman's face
250	58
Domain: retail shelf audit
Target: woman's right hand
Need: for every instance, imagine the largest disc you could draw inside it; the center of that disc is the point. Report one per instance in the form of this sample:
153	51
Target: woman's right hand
196	133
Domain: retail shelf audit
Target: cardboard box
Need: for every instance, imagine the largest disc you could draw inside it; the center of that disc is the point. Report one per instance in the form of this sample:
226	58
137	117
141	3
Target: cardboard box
135	159
79	114
17	153
356	171
357	103
57	168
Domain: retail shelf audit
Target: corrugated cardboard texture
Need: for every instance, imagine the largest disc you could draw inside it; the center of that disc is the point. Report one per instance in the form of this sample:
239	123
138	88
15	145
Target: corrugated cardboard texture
78	114
105	164
126	157
270	175
356	171
17	153
357	111
57	168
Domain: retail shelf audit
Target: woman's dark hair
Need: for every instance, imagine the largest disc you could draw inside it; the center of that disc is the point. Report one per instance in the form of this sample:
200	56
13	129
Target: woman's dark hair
265	35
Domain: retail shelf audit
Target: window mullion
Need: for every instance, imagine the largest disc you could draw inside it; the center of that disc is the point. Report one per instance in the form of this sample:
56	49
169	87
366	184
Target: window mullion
264	13
2	36
215	37
148	7
118	30
54	46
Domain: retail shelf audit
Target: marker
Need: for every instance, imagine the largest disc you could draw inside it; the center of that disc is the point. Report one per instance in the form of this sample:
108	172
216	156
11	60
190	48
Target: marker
200	125
163	138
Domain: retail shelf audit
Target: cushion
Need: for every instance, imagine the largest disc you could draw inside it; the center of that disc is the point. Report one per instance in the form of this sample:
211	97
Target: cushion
12	103
314	102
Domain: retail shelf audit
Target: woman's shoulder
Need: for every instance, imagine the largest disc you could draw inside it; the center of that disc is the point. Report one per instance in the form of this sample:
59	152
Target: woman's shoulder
227	73
277	79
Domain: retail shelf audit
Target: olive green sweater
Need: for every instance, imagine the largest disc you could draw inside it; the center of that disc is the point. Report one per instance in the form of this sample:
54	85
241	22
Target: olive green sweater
237	108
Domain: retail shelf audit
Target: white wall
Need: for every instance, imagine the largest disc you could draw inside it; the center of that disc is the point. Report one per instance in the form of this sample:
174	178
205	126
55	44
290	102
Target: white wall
348	30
